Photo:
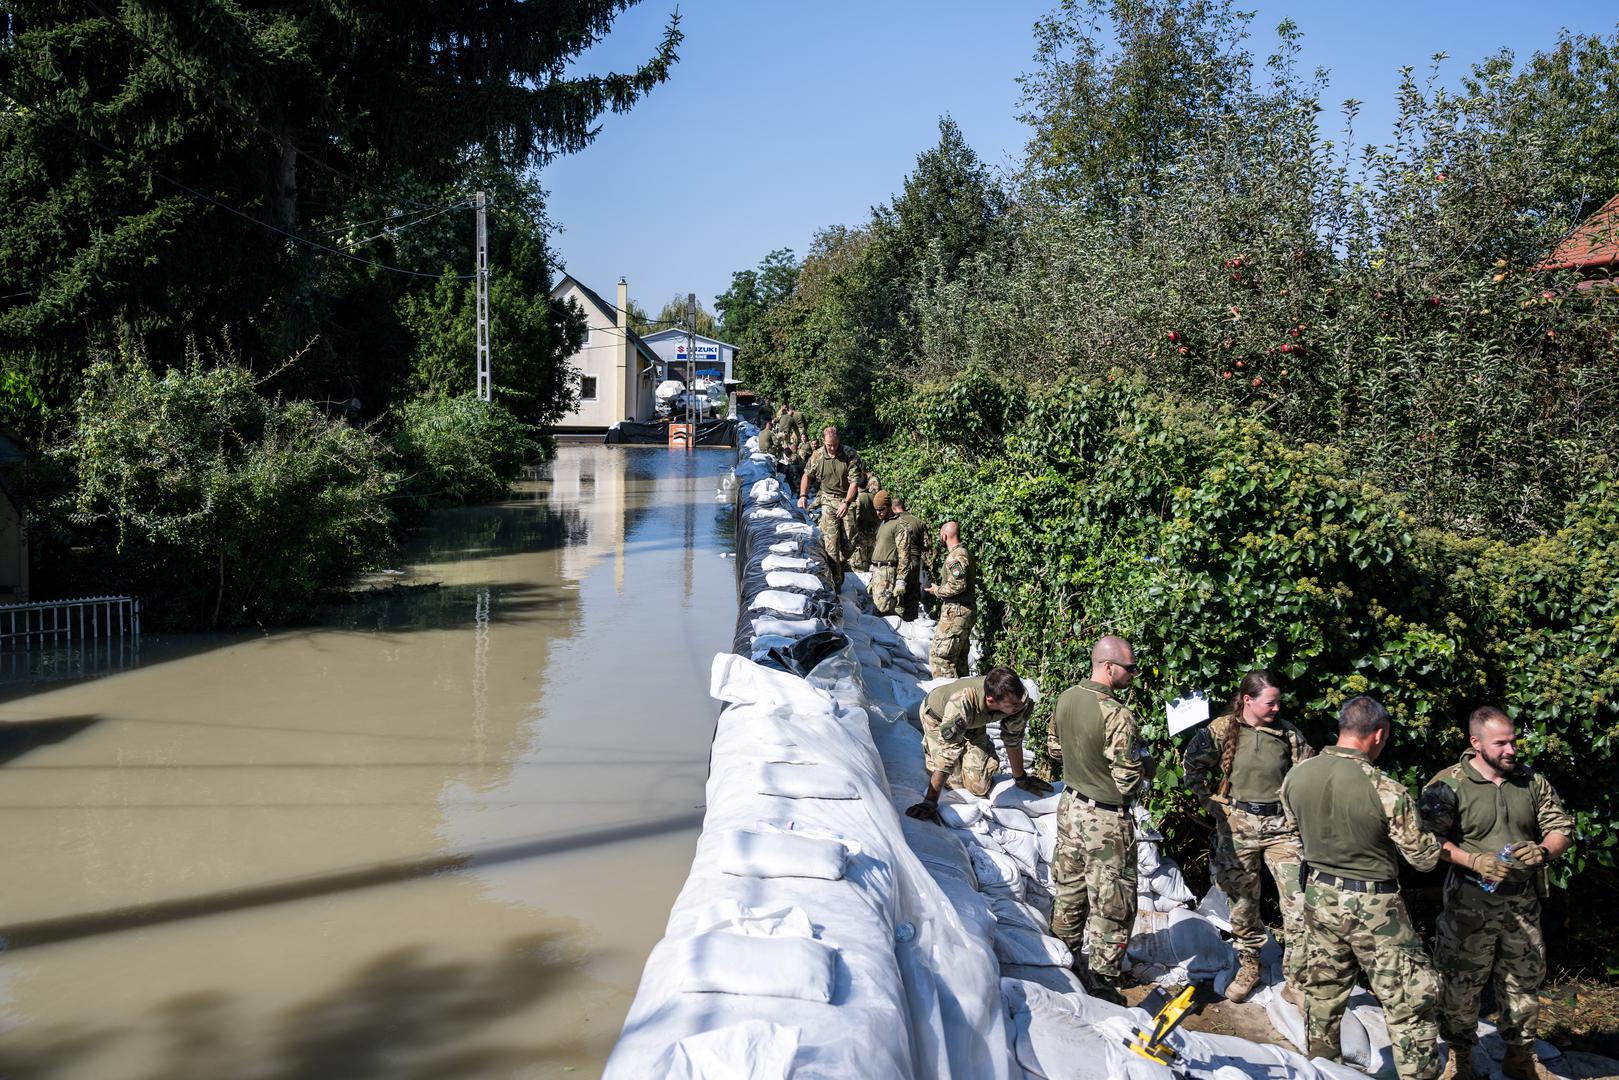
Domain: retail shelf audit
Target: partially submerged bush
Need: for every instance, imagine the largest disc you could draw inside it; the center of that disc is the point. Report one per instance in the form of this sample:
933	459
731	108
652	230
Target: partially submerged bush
215	505
460	450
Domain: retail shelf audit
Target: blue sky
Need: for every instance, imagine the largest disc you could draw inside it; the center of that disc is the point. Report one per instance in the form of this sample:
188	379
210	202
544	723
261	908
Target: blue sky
786	116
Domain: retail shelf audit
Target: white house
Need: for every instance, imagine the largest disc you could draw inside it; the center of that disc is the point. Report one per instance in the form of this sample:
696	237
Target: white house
715	359
619	372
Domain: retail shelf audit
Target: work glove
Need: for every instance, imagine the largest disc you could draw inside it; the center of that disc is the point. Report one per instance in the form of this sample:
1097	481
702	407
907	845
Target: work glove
1490	867
1529	853
925	811
1215	808
1033	784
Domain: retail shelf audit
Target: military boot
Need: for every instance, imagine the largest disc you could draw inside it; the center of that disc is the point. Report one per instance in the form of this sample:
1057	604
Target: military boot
1104	988
1247	980
1460	1065
1520	1064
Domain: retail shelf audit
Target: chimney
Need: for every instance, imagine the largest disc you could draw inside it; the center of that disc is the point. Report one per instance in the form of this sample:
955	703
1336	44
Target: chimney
627	381
623	304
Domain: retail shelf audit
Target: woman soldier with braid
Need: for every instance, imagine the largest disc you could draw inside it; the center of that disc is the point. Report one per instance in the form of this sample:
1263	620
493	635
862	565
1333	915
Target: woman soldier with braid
1235	767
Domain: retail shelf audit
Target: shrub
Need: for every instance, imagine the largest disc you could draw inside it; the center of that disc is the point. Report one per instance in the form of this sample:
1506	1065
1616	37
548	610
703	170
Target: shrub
1216	547
215	505
459	450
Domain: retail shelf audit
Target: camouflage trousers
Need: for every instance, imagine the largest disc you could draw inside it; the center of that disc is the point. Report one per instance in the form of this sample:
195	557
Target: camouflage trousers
1349	934
1094	871
883	597
973	768
860	542
1482	934
1243	843
834	544
948	654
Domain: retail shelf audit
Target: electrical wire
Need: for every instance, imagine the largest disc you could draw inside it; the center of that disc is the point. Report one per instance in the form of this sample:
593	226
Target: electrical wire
73	129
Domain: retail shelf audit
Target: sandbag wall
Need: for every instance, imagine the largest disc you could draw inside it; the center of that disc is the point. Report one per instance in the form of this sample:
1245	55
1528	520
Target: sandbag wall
808	941
822	933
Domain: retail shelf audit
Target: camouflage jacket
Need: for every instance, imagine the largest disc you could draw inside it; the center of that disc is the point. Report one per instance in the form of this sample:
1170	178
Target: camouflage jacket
955	584
1355	830
961	709
1461	806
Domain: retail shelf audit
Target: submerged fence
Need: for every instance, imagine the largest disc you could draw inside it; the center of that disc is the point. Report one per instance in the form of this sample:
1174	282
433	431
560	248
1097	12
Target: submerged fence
87	620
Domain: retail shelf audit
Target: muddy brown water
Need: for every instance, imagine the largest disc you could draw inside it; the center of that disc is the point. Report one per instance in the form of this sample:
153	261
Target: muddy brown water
436	837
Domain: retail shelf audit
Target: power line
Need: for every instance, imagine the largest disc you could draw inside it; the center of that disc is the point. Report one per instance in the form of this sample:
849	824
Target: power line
121	155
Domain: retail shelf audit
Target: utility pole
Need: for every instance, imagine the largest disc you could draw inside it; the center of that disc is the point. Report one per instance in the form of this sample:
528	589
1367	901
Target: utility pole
484	378
691	365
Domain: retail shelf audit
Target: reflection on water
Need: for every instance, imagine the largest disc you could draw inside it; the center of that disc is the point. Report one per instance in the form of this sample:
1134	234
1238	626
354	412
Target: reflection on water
436	836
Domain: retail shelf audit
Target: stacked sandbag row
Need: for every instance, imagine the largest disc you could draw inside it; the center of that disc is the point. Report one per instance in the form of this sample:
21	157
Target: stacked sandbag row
808	940
993	858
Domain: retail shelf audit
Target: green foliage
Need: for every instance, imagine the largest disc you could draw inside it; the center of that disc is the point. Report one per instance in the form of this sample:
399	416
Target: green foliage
347	125
1216	547
675	313
214	504
459	450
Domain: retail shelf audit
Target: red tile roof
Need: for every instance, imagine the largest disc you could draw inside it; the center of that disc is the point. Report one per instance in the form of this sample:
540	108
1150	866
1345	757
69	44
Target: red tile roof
1593	244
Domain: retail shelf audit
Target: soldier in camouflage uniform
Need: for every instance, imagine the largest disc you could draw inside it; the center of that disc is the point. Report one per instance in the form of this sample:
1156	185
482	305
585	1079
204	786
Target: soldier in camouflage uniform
884	556
1483	805
908	543
1094	737
860	526
767	439
1354	824
1235	767
791	421
947	656
837	469
956	747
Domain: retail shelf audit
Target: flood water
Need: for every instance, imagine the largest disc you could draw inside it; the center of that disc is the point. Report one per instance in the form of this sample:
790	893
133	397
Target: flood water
434	838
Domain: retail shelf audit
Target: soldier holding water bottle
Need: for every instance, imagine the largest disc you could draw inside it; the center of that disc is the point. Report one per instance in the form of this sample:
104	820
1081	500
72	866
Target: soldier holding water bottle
1500	823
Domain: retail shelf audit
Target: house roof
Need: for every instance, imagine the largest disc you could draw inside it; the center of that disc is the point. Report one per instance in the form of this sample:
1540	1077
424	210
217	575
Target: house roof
608	312
1594	242
675	331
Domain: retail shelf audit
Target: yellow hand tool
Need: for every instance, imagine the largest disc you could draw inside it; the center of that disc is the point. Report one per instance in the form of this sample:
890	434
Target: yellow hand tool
1154	1044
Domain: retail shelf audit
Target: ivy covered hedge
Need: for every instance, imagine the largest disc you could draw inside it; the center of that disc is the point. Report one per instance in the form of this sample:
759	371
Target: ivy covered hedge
1105	507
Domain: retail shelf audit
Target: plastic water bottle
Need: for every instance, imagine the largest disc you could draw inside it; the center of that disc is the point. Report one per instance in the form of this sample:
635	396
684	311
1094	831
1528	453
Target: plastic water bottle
1505	855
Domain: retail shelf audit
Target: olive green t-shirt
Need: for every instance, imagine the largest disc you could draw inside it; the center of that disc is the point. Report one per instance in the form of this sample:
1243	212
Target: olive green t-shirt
886	547
1354	821
1262	760
1092	754
1461	806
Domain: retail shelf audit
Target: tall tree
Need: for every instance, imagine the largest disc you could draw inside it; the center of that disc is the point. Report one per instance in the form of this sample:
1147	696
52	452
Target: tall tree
217	167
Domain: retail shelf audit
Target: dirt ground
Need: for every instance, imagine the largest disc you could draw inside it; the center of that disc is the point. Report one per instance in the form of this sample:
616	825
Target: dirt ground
1581	1017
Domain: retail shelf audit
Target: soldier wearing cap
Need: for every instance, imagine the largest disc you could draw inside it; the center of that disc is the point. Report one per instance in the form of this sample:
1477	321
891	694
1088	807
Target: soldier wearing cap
1354	825
1500	823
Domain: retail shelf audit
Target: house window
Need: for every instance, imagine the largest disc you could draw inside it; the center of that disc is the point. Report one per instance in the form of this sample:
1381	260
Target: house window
587	388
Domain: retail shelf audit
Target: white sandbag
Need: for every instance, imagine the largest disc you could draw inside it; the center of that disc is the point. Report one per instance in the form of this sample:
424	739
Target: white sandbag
1031	948
1179	939
1007	793
996	870
750	1050
766	513
786	602
1010	911
1011	817
789	628
744	853
1146	858
1168	883
803	782
765	490
789	967
1216	907
1046	825
1164	903
1022	846
959	815
793	528
1060	980
789	579
785	562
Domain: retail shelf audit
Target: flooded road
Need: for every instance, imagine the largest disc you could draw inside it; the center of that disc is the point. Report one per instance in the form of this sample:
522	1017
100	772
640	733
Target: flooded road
436	838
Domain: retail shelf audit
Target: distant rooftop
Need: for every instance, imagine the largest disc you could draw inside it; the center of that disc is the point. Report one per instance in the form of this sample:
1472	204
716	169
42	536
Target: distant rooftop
1593	244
